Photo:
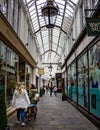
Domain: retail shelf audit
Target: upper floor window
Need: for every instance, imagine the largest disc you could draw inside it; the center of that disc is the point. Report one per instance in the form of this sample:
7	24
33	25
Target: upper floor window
9	57
82	15
90	4
87	6
19	18
94	3
4	8
12	11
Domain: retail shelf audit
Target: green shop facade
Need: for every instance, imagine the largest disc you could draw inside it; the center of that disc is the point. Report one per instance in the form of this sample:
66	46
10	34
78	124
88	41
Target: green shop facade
82	79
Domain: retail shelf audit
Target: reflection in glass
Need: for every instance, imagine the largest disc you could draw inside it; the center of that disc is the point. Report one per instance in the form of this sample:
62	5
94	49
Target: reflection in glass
72	88
2	67
94	76
11	75
83	81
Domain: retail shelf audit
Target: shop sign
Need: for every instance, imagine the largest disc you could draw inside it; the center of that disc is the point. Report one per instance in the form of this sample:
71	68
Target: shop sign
93	26
41	71
58	75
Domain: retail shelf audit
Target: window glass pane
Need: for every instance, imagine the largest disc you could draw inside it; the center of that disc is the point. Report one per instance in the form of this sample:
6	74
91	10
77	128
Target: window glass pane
94	2
82	15
94	69
60	2
39	2
2	67
72	88
41	50
46	47
39	39
52	54
30	4
55	59
11	75
4	8
59	50
54	47
83	81
12	11
19	19
7	55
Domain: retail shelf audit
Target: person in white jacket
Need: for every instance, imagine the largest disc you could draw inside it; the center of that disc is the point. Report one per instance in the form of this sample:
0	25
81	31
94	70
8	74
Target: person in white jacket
20	101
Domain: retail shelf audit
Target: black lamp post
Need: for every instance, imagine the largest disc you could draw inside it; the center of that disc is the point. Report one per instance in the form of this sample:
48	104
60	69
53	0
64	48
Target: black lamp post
49	12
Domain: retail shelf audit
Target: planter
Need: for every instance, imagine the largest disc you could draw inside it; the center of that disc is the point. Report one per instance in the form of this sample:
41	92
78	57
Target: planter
64	98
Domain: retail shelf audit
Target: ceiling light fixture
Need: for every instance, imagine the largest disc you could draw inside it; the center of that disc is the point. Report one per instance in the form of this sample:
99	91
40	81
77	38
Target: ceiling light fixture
50	68
49	11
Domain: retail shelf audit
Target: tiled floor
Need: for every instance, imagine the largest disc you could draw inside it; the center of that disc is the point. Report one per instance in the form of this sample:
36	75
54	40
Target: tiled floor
55	114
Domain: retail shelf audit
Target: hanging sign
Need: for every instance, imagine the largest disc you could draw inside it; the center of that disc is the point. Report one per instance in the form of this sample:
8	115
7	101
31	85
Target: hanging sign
93	26
41	71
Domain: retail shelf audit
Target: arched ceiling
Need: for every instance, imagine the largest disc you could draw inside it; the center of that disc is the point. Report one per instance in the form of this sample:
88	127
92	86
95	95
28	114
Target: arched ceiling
51	42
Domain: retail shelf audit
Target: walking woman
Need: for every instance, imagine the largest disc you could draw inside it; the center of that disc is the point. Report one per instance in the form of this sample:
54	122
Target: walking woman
20	101
34	98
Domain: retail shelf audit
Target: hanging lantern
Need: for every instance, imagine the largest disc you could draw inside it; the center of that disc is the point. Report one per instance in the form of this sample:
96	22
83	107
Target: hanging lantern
49	12
50	68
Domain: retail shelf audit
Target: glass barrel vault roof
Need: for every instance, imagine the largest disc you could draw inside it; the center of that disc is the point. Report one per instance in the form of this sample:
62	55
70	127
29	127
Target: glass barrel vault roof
50	42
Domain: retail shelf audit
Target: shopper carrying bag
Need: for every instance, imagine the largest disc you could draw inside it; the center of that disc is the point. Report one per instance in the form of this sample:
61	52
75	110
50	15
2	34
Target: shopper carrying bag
21	102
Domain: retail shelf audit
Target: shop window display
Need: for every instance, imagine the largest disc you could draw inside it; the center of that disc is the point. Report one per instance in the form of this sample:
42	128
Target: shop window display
22	71
65	81
69	83
72	88
4	8
83	81
7	69
2	66
94	76
11	75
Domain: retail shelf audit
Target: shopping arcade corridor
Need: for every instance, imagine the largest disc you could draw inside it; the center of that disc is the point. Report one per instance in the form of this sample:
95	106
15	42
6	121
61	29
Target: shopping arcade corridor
55	114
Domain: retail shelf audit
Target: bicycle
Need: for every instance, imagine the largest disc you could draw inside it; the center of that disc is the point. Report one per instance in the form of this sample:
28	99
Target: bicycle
31	114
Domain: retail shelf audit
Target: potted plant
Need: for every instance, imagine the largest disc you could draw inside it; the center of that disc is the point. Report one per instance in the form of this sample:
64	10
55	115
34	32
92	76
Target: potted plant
3	116
64	96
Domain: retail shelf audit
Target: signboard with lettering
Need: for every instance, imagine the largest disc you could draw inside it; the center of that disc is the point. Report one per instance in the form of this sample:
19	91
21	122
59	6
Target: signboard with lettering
58	75
93	26
41	71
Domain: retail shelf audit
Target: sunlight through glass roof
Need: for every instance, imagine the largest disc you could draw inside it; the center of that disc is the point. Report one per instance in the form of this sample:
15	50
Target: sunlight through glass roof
50	42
